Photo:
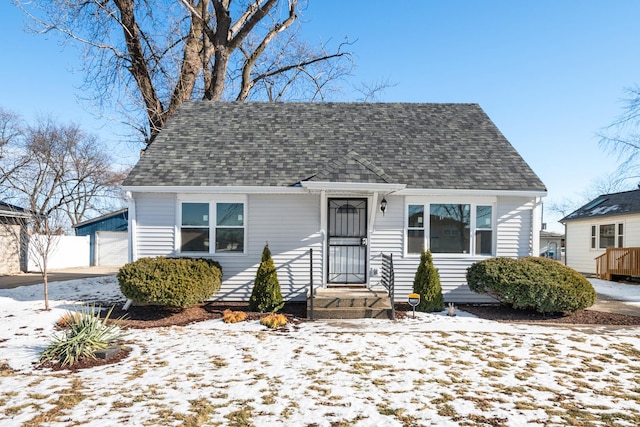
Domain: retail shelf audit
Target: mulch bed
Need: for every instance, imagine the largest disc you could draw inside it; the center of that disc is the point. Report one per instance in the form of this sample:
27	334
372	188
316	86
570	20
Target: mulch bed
151	316
506	314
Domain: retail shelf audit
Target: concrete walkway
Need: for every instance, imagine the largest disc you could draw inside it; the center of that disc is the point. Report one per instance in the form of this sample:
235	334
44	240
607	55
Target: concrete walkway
26	279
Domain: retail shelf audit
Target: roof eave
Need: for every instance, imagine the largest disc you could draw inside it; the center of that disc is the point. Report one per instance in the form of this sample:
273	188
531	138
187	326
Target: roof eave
471	192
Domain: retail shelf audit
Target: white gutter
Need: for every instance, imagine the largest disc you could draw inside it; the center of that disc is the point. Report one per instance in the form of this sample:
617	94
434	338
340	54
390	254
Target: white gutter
456	192
227	189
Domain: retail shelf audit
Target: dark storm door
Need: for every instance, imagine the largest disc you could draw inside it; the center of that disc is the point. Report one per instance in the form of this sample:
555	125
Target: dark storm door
347	241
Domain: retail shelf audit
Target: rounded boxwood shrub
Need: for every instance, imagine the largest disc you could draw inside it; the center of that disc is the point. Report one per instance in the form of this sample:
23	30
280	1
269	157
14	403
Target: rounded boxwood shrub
171	282
534	283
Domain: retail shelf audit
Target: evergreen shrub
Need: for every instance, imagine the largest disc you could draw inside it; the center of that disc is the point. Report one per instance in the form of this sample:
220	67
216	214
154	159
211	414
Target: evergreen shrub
533	283
266	295
426	283
170	282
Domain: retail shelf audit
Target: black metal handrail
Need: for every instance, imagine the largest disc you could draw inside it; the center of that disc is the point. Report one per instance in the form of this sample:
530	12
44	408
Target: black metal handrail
388	280
311	296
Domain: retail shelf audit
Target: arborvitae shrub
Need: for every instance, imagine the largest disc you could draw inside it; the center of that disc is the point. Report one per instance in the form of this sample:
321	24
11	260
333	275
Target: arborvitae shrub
427	284
266	295
534	283
171	282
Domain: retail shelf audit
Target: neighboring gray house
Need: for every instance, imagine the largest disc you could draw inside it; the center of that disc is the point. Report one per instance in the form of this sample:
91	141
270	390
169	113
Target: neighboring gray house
13	238
552	245
108	240
608	221
223	179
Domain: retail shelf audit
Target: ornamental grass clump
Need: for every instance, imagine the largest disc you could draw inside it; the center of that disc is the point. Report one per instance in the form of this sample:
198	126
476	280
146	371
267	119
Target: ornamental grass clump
86	333
229	316
274	320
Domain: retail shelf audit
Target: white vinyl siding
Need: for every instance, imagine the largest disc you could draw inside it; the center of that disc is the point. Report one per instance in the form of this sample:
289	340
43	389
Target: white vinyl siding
290	224
514	227
513	238
155	225
580	255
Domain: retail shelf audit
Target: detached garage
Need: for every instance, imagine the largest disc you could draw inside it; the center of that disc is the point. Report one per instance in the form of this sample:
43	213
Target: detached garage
108	244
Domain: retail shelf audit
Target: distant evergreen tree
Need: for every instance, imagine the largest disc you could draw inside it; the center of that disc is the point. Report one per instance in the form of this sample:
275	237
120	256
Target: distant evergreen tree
427	284
266	295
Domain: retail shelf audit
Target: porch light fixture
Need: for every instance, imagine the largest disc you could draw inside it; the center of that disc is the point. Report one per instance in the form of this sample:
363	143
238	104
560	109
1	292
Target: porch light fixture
383	205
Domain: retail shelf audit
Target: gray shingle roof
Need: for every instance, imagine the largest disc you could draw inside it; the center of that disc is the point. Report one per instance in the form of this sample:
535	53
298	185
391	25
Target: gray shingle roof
623	203
450	146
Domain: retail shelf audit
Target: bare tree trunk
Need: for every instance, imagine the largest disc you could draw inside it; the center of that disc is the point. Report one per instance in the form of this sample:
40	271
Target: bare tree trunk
179	50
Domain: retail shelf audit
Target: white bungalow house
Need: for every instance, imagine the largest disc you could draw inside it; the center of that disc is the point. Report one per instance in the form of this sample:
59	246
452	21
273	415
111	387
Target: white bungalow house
351	181
610	223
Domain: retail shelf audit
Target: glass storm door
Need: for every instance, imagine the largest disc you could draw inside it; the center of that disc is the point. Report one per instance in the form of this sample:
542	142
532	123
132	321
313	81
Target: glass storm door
347	241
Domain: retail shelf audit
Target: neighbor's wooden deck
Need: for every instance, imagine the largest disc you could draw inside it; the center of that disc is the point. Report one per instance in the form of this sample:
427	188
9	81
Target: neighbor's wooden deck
618	262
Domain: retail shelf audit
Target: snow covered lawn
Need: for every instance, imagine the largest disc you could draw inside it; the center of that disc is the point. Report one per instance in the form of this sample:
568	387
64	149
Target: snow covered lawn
432	370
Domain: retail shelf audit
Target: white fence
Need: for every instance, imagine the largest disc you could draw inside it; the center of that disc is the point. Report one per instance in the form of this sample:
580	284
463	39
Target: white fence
65	252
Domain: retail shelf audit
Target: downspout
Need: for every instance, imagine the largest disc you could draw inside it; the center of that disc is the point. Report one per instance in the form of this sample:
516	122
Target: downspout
372	219
323	233
535	227
132	235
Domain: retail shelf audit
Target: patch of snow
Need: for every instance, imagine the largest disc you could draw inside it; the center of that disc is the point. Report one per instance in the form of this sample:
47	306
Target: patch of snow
429	370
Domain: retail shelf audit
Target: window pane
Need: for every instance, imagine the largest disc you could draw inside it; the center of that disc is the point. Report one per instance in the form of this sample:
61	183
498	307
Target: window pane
620	229
415	241
607	236
229	239
196	214
416	216
194	239
230	214
484	240
483	217
449	228
593	237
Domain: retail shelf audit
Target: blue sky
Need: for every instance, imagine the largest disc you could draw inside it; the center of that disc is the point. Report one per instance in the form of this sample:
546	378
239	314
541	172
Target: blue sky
549	73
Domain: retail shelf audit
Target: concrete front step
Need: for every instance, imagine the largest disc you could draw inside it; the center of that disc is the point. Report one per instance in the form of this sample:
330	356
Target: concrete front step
344	303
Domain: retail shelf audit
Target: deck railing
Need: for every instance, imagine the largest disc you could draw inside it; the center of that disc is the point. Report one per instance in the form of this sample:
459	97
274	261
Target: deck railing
618	262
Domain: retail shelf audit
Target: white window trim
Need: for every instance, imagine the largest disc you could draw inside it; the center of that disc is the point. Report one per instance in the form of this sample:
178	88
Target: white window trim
473	203
212	200
616	225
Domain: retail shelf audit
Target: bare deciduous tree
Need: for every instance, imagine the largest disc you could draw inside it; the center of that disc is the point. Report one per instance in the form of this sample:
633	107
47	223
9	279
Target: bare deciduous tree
20	240
623	136
50	167
152	56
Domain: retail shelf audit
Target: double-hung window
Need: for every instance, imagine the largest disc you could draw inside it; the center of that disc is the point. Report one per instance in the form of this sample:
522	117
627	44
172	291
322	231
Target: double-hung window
205	222
415	229
484	230
194	232
230	227
451	228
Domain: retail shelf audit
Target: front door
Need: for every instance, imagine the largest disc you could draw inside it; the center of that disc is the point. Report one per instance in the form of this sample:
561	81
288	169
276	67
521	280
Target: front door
347	241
